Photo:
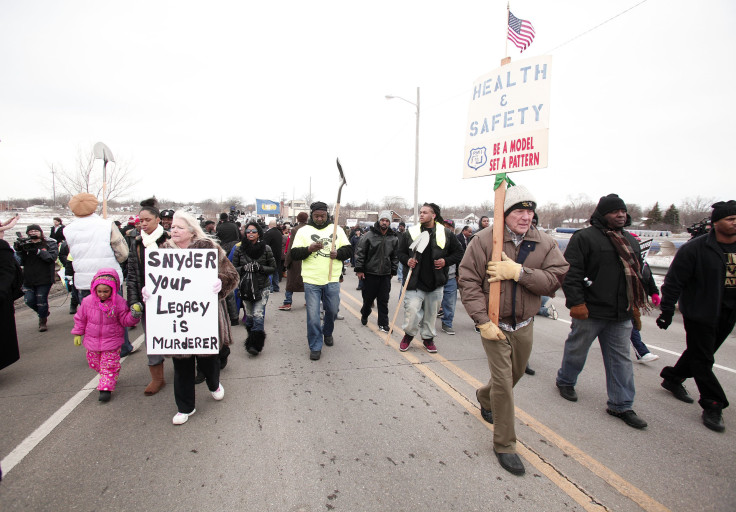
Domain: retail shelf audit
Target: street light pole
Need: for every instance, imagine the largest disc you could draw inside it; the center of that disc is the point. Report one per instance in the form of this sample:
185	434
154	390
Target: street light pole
102	152
416	154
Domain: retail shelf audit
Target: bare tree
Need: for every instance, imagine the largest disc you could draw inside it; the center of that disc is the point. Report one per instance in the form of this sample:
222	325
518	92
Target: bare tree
395	203
85	178
695	209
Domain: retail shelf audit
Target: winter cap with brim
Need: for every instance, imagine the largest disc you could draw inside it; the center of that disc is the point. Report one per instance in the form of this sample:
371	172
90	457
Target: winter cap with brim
722	209
83	204
31	227
318	206
385	214
610	203
518	198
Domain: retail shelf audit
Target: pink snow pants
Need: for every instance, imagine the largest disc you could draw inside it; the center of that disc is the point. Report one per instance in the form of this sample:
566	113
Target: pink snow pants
107	364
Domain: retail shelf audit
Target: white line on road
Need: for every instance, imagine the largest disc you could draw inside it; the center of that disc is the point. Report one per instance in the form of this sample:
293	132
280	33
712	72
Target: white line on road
38	435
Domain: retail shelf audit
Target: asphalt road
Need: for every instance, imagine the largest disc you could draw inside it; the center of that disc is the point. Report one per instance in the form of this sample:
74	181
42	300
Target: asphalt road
366	428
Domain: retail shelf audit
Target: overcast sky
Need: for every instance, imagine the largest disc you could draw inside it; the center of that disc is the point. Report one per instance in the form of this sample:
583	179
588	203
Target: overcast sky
218	99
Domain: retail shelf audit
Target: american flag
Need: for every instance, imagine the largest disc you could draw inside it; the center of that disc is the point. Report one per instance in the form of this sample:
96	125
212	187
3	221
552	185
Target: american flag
521	32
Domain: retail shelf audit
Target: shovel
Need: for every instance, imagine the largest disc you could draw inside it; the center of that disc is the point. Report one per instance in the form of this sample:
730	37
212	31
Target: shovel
417	246
343	182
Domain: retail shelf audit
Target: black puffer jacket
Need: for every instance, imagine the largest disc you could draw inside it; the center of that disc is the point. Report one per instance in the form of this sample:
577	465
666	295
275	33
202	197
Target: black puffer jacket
39	262
136	279
376	253
591	254
452	253
259	252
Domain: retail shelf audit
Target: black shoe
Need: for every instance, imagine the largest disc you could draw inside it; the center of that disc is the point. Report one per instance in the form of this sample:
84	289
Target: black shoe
329	341
105	396
363	319
678	390
486	414
713	419
199	378
235	322
529	371
314	354
630	418
511	462
73	310
568	392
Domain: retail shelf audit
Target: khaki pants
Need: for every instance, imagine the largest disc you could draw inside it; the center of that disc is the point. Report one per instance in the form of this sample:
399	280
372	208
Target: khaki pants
507	361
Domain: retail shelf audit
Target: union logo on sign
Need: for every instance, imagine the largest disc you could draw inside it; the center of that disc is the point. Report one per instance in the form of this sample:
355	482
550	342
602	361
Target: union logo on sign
268	206
477	158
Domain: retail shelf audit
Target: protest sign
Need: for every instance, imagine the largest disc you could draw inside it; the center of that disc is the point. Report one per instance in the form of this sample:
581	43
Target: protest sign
508	119
181	314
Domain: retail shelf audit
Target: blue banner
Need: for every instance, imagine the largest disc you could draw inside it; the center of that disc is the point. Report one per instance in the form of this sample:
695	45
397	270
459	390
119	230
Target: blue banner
266	207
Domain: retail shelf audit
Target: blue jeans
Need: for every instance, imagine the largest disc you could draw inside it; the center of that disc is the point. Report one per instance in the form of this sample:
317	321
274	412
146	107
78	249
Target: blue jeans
329	294
255	312
543	310
449	299
288	297
275	280
639	347
614	341
127	345
37	298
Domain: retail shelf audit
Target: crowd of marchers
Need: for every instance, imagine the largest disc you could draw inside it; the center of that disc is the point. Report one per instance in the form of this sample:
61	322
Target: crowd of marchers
606	283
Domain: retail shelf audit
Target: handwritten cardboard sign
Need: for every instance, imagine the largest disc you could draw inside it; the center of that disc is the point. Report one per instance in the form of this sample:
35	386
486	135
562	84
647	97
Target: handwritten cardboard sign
181	314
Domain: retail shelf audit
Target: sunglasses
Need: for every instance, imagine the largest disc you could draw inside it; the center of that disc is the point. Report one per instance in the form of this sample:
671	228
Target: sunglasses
251	231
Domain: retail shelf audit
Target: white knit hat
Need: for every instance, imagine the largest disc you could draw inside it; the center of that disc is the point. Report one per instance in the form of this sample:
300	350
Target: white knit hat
518	198
385	214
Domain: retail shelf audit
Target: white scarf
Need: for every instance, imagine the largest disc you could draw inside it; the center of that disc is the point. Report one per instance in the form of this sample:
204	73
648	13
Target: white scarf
150	240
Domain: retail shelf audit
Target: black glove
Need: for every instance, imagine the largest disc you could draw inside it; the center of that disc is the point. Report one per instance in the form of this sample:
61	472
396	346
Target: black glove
665	319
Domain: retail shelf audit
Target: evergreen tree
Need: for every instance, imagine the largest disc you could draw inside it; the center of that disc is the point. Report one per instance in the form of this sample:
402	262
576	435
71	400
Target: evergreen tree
655	215
672	217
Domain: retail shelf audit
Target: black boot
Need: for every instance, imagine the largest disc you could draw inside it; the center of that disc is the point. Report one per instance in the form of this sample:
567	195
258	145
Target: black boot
257	339
223	356
249	345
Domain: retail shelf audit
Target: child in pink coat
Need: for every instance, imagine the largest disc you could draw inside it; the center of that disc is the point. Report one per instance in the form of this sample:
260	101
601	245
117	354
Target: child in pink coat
101	319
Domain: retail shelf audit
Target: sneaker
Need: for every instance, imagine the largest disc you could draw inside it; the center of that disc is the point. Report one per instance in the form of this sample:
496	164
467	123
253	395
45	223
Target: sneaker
552	312
568	392
105	396
405	342
629	417
440	313
448	330
430	346
677	389
383	328
182	417
647	358
219	393
339	317
285	307
712	418
363	319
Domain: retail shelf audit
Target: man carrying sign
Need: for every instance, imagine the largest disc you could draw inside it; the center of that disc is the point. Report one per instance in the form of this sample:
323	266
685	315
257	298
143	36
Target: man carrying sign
312	245
531	266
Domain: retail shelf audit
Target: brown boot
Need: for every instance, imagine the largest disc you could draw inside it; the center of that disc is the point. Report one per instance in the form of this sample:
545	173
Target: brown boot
42	325
157	379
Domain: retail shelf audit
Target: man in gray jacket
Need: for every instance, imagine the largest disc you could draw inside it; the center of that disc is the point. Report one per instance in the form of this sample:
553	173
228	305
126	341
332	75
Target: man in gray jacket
532	265
376	260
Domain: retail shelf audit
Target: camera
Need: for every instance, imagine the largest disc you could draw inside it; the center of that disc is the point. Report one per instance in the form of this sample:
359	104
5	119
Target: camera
234	214
699	228
24	244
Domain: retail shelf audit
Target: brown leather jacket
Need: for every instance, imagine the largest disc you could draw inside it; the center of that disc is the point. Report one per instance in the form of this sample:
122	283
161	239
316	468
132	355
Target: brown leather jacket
544	269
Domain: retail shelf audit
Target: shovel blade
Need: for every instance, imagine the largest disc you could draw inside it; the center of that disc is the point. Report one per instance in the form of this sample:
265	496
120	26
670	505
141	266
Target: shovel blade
420	243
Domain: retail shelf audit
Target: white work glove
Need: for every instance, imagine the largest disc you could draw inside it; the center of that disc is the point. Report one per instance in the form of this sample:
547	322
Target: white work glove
217	286
504	269
491	331
144	294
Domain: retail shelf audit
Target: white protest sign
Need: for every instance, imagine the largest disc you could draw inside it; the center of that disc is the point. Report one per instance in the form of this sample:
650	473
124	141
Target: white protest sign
181	314
508	119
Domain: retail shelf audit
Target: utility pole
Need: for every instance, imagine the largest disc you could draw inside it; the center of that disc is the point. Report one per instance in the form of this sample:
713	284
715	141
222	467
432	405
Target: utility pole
53	183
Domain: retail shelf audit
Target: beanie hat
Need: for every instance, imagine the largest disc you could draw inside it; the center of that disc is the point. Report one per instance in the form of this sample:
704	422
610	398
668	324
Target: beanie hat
722	209
610	203
83	204
518	198
385	214
131	221
318	206
31	227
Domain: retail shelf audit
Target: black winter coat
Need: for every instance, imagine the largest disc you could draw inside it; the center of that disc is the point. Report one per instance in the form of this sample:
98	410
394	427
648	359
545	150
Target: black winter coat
376	253
9	352
591	254
39	263
265	260
452	253
274	238
696	278
136	278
